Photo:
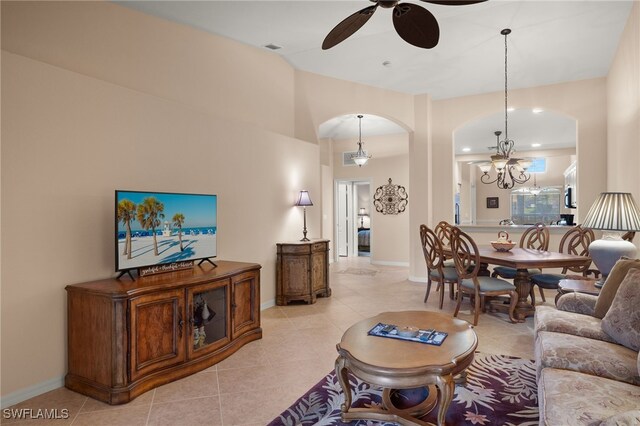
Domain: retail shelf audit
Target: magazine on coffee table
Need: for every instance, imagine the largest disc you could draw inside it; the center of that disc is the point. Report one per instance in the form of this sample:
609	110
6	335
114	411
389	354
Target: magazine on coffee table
428	336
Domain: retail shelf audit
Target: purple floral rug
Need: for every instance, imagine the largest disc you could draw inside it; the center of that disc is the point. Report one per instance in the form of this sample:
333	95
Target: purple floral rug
500	390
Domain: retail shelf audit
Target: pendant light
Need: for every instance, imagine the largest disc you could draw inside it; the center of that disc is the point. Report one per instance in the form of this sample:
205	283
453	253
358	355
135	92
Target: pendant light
360	157
511	171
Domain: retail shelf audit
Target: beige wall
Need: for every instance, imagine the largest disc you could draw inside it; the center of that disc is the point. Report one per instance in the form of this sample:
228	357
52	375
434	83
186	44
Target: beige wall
209	74
389	233
97	97
623	108
320	98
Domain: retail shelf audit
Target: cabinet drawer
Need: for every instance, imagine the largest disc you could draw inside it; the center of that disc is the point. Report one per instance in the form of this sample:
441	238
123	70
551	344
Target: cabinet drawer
319	247
295	248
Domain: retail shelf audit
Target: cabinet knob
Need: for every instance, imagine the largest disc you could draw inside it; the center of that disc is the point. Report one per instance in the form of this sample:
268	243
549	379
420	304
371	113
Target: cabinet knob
181	325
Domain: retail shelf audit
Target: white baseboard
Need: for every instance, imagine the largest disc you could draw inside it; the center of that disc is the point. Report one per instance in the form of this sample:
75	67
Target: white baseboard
387	263
30	392
268	304
420	280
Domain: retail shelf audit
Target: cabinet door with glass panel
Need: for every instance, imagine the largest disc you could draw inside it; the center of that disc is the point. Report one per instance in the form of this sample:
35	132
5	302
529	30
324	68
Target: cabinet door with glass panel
210	329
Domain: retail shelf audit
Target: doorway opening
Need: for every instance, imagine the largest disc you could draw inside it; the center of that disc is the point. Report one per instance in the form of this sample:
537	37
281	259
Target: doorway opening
353	220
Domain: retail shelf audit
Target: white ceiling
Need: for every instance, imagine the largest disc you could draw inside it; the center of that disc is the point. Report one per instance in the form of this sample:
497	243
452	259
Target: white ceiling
346	127
548	129
552	41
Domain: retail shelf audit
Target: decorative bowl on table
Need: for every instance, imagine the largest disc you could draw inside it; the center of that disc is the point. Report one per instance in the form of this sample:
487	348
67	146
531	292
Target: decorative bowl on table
503	243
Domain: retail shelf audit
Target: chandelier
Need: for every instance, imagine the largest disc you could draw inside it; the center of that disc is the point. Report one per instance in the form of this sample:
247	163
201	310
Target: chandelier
510	171
360	157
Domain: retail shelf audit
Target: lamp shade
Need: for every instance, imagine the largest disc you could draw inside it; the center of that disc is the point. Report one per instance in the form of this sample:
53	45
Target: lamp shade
499	161
525	163
613	211
304	199
485	167
362	212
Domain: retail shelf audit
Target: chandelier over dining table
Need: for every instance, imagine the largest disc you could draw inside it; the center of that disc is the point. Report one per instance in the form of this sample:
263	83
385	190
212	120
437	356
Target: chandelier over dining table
510	170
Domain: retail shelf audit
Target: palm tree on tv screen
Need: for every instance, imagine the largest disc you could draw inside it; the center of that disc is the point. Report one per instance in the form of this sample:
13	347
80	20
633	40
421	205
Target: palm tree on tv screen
150	217
178	220
127	213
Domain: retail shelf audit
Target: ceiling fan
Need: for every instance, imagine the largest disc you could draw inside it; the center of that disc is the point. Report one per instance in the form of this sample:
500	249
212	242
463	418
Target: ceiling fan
415	24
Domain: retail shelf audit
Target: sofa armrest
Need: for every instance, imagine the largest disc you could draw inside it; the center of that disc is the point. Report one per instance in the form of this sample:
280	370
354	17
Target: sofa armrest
578	303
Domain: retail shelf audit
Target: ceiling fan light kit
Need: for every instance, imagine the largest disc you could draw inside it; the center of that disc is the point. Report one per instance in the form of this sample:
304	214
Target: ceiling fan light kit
413	23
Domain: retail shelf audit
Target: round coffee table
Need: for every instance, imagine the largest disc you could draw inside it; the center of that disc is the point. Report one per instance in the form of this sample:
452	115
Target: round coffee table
586	286
398	364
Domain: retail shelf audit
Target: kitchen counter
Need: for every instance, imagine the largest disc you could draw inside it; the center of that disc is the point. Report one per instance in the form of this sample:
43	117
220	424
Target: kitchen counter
553	229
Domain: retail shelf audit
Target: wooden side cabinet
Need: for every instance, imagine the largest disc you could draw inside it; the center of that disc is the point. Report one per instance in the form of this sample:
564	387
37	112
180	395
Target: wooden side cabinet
302	271
126	337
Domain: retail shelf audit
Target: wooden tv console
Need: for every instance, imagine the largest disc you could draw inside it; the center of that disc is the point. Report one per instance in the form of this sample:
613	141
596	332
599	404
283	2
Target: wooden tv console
126	337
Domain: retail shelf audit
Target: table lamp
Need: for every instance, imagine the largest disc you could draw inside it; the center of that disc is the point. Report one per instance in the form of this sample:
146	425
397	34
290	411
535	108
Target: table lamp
362	213
614	213
304	201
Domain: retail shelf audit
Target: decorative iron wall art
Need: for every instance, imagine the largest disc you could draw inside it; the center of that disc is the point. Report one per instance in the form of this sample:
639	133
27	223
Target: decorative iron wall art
390	198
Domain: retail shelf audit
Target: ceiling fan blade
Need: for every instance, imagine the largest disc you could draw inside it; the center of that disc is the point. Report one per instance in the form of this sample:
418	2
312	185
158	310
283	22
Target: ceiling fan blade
416	25
347	27
454	2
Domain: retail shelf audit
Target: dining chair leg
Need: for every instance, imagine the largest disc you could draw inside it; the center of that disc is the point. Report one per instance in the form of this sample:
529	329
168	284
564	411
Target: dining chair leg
426	295
542	294
442	295
451	293
455	313
476	308
512	306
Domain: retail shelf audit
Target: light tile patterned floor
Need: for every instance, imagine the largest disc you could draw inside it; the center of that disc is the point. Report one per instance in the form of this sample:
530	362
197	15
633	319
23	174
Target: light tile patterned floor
298	348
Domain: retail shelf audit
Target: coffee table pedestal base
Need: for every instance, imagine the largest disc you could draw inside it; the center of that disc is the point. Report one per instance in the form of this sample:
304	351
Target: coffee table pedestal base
441	392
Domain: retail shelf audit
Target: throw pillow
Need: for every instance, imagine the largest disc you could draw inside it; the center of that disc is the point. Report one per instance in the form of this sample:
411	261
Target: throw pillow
622	321
610	287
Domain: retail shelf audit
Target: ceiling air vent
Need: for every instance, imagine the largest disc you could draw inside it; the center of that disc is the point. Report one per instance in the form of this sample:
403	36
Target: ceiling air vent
273	46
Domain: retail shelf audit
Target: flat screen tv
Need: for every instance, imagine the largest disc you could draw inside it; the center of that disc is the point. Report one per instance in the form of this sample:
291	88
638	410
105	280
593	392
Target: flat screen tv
157	228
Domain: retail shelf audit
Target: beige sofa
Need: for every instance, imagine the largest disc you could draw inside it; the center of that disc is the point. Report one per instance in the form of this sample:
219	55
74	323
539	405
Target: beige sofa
587	356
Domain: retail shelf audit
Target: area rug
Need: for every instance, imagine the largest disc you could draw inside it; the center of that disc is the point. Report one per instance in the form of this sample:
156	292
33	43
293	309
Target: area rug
500	390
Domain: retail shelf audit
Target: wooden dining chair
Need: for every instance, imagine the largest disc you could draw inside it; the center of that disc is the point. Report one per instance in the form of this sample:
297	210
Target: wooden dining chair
434	258
465	255
535	237
575	241
443	231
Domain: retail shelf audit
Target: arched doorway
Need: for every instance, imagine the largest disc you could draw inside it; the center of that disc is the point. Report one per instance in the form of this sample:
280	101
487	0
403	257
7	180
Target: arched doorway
356	229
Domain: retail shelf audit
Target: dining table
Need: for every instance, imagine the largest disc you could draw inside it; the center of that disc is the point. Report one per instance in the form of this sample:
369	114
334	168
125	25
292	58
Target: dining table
522	259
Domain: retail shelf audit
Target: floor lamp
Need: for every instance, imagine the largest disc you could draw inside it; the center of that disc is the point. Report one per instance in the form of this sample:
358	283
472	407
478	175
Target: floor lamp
613	213
304	201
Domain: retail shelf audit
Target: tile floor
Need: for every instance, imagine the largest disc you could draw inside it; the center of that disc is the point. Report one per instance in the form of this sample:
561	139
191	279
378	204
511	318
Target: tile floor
297	349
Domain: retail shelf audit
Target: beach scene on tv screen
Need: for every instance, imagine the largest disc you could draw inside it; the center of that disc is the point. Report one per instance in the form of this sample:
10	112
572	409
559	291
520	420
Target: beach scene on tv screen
159	228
